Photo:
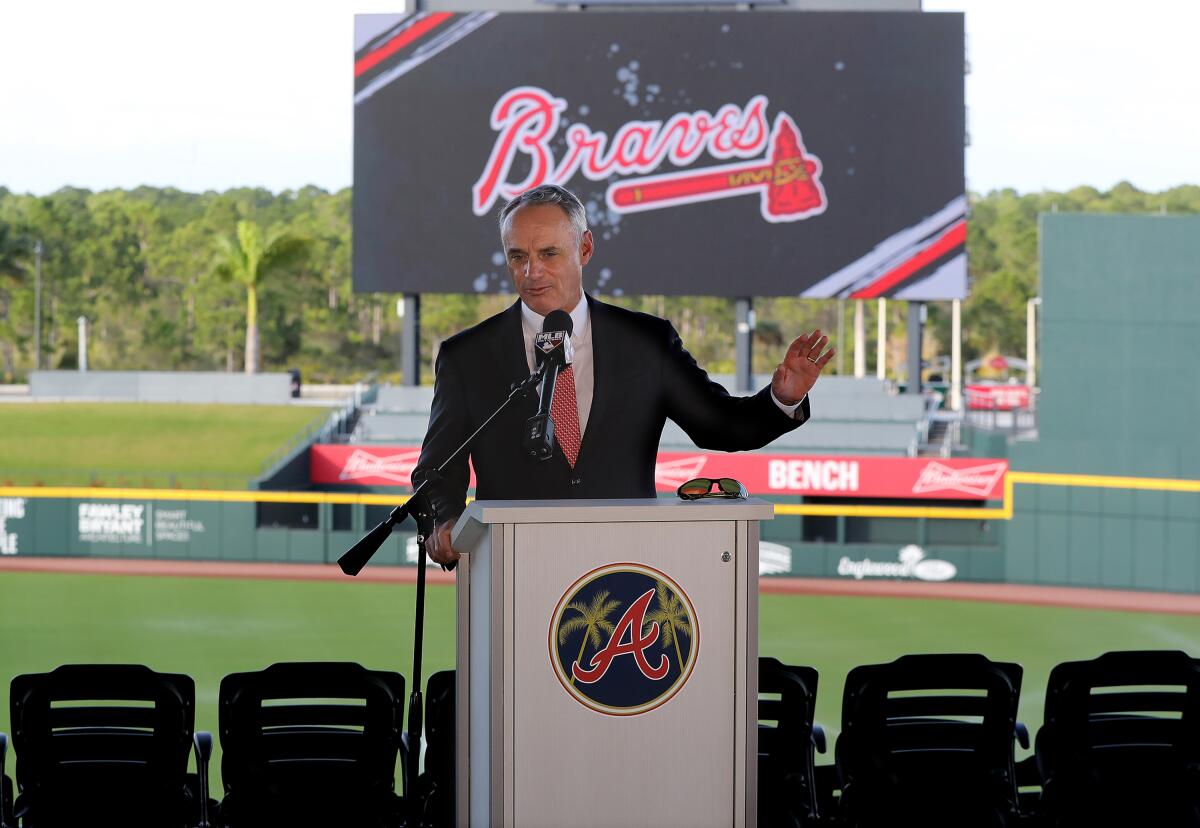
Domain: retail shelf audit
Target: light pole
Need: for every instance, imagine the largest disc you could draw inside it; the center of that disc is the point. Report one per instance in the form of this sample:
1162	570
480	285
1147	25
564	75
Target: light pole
83	326
37	305
956	355
881	343
1031	341
841	312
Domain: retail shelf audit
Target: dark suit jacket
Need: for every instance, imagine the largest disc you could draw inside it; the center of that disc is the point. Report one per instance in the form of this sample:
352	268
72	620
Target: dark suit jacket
642	376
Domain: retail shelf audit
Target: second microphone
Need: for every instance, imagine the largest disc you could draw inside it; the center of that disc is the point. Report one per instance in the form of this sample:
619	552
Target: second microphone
552	348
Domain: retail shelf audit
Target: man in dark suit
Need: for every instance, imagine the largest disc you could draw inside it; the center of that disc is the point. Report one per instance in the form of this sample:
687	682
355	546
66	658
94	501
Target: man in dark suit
629	373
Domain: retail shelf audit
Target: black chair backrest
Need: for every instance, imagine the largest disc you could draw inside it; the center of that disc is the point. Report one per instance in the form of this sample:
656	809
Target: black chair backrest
1121	740
310	743
97	743
6	787
437	783
787	696
928	739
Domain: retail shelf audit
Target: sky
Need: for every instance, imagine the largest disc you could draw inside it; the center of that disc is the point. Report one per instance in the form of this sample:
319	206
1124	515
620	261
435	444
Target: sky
221	94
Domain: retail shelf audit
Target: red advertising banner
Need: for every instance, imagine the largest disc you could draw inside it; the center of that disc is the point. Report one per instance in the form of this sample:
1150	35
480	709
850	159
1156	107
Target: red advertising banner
997	397
905	478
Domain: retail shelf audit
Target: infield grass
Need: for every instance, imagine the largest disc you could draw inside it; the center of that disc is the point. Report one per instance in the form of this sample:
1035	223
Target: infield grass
207	627
143	444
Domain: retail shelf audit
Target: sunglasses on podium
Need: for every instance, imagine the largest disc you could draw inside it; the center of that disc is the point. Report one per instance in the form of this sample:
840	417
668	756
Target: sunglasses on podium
702	487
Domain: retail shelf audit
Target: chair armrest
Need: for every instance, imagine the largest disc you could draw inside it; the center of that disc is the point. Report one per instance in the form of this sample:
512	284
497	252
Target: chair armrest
818	738
202	741
403	751
1022	735
3	778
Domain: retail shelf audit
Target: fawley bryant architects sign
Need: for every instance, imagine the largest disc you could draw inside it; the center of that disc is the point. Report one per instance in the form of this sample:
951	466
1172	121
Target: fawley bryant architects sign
112	522
815	154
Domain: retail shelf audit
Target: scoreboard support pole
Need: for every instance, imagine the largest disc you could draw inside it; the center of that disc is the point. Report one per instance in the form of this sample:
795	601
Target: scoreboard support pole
409	309
744	340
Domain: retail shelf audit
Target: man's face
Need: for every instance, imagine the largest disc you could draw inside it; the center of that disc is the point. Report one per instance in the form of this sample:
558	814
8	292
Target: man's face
545	257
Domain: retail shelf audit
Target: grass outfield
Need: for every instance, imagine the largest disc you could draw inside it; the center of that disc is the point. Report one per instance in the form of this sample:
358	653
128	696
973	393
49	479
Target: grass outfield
209	627
142	444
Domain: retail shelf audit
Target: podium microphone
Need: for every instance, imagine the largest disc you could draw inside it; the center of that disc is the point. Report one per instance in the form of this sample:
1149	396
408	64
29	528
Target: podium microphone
552	349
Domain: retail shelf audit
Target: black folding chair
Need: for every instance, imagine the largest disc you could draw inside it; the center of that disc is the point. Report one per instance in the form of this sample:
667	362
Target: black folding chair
311	744
928	740
107	744
6	789
437	782
1120	744
787	743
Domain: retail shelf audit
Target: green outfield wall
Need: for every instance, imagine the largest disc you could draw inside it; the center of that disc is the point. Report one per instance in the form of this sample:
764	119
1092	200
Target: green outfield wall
1133	533
233	526
1120	398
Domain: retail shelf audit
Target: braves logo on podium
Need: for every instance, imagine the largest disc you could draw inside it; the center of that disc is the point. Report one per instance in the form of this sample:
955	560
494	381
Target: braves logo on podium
624	639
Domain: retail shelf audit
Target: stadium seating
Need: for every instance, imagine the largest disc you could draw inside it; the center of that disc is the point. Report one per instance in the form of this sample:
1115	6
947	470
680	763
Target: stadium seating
859	416
311	744
928	740
1121	741
787	741
101	745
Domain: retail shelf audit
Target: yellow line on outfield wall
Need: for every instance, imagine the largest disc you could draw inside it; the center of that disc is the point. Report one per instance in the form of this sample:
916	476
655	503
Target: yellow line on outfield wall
229	496
938	512
1005	511
1156	484
1002	512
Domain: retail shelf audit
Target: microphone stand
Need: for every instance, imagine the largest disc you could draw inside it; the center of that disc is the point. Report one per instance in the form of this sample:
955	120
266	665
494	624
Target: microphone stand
420	507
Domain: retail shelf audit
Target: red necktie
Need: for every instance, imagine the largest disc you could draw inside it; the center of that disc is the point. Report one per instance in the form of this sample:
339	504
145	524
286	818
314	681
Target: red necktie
564	413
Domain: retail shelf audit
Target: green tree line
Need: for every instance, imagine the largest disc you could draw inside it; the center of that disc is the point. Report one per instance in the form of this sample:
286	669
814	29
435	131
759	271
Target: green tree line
171	280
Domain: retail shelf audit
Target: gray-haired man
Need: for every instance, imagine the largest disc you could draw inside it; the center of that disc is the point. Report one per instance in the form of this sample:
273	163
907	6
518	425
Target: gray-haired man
629	373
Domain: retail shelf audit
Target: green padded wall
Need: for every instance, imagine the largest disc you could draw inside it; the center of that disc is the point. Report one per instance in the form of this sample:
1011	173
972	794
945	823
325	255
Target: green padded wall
1120	395
1120	346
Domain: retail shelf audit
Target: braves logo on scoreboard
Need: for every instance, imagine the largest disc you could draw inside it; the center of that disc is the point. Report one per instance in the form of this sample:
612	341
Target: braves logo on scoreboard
624	639
774	163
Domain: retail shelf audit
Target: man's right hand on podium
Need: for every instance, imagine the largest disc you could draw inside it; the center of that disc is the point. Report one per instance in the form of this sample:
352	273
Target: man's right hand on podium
438	545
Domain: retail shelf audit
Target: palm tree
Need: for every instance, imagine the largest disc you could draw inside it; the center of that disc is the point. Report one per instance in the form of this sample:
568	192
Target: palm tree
248	260
671	618
592	619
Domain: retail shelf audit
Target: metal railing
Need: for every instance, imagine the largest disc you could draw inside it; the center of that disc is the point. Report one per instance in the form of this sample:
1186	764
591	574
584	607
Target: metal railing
1012	420
336	427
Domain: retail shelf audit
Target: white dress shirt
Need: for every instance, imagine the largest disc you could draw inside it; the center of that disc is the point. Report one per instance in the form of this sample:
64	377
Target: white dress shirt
582	362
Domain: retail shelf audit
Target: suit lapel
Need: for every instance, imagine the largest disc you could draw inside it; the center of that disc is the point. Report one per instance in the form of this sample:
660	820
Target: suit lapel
510	349
604	363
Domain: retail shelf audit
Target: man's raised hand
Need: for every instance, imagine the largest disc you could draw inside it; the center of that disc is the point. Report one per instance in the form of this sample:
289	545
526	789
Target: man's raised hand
801	366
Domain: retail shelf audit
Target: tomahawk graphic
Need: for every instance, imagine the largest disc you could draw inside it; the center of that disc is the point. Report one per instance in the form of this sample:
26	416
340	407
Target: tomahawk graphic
788	181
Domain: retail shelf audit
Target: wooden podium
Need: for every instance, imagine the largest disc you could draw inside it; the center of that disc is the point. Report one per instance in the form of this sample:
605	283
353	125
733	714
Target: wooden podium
608	663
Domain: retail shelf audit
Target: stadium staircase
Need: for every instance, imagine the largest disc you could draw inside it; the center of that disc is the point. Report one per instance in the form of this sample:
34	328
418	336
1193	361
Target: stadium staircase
287	467
941	430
